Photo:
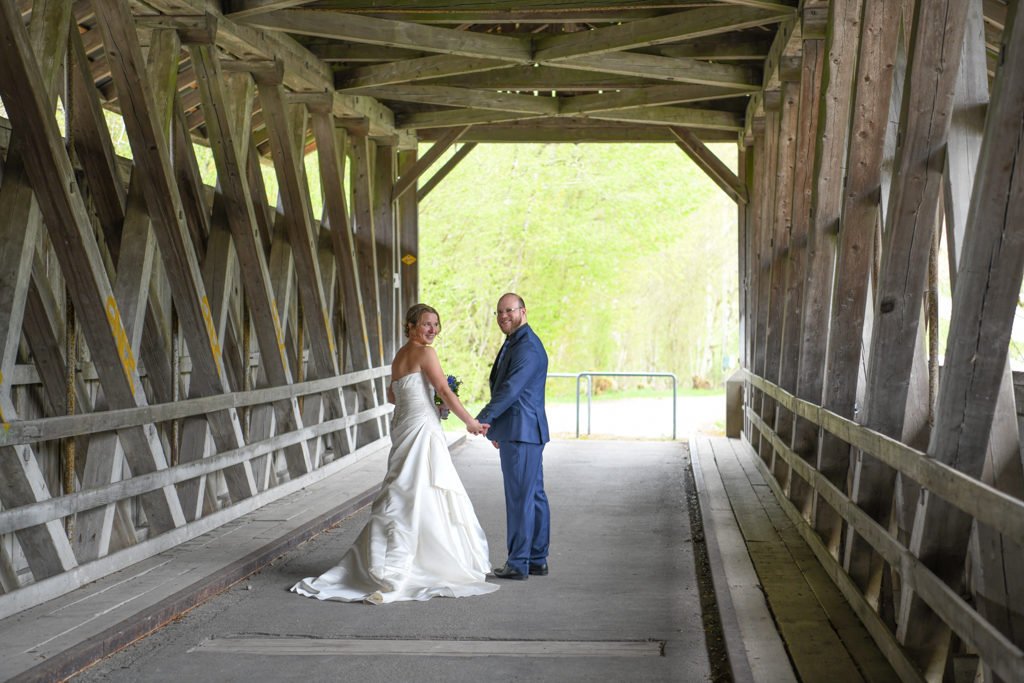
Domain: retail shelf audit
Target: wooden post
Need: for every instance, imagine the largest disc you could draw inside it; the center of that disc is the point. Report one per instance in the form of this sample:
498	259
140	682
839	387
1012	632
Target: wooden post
803	184
935	43
986	295
408	239
860	213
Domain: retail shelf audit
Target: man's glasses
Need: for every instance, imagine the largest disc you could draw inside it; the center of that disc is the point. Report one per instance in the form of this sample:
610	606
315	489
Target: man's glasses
500	311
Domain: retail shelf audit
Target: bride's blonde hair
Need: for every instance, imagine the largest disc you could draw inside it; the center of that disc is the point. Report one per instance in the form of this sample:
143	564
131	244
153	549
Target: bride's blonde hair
412	316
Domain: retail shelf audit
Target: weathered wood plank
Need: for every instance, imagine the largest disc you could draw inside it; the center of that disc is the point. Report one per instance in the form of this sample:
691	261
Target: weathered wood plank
796	266
997	584
712	166
785	169
860	213
366	251
765	258
298	215
935	43
239	205
986	294
463	97
673	69
996	651
52	177
331	155
409	178
688	117
412	70
152	158
363	29
629	98
979	500
842	32
434	180
666	29
408	229
384	236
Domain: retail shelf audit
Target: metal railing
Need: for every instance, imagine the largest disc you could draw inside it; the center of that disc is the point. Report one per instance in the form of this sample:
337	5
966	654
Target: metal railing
590	391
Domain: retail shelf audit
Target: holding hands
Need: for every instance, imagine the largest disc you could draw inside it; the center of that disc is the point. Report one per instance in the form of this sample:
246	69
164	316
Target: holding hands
476	427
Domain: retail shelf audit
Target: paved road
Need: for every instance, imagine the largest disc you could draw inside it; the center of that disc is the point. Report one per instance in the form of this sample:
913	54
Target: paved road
639	418
622	601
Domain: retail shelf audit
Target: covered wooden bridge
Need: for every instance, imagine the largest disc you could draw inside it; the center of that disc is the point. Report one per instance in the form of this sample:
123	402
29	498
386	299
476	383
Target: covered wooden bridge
179	349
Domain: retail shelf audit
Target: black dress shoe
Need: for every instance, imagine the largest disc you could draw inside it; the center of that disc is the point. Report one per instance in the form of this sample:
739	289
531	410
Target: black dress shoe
539	569
508	572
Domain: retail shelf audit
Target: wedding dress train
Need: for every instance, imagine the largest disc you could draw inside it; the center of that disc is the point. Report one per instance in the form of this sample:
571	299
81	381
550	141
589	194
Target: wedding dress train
423	538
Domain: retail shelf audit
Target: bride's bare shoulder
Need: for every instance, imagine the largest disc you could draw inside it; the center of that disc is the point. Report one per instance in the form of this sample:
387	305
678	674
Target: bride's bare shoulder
410	359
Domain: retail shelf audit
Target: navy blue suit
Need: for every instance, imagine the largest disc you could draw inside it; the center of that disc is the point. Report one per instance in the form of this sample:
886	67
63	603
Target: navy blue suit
520	426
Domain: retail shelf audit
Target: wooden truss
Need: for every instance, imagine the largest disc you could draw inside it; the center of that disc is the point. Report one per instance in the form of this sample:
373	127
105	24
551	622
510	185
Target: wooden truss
177	352
907	483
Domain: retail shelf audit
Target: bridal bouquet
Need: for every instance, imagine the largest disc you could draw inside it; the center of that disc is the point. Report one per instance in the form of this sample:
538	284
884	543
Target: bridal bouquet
453	383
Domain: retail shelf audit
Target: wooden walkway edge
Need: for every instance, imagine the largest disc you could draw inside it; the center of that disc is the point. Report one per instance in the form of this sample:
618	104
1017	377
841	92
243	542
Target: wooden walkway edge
793	623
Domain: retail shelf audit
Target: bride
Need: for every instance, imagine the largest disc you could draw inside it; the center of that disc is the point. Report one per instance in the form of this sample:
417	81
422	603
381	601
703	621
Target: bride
423	539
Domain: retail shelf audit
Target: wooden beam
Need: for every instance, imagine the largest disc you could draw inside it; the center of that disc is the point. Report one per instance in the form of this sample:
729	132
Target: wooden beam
573	130
438	176
782	206
67	219
826	197
298	215
408	229
152	158
94	147
676	70
240	206
687	117
22	482
667	29
984	301
417	69
656	95
997	584
463	97
796	266
365	241
457	118
530	78
935	43
384	236
331	154
861	211
706	161
363	29
409	179
765	258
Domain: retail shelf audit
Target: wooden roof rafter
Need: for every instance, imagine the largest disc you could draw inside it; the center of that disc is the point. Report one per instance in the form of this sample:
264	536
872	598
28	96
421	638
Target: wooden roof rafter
406	66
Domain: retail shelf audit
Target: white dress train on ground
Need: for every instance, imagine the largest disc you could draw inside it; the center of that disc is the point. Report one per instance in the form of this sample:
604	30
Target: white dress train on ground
423	539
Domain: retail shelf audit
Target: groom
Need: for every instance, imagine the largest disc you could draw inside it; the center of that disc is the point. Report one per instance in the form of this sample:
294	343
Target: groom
519	430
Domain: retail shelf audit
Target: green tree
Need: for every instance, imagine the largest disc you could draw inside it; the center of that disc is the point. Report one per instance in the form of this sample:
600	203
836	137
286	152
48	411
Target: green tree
625	255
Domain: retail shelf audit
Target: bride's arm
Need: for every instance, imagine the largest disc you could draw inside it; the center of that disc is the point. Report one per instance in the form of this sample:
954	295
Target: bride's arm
431	366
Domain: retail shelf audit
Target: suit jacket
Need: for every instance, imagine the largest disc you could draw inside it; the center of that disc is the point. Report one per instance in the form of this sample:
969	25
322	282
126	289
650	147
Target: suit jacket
516	410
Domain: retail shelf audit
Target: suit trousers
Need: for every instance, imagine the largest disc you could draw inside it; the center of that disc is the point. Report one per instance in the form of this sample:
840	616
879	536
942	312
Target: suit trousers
527	516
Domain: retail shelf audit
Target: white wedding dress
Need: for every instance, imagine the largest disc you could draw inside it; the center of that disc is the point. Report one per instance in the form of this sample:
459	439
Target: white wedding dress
423	539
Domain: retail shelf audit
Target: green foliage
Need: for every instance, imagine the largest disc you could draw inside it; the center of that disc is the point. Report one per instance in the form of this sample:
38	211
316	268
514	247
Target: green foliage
624	254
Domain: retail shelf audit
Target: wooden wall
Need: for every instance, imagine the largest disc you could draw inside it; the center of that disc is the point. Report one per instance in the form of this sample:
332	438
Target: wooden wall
174	353
883	131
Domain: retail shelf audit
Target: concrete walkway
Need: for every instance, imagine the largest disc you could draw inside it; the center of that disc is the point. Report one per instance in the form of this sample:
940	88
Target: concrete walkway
646	584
